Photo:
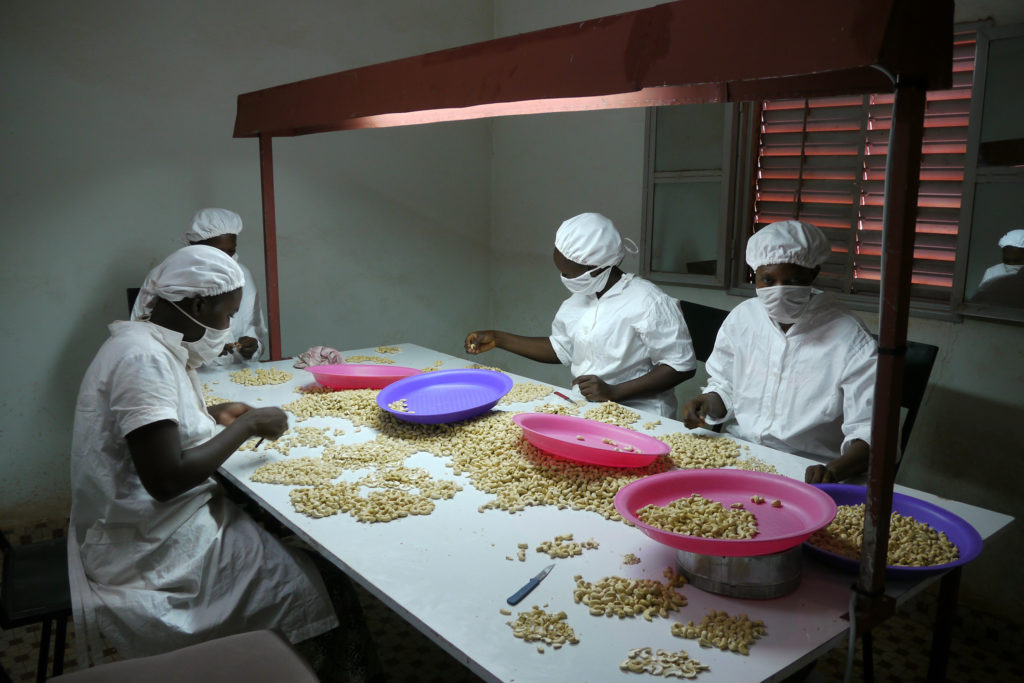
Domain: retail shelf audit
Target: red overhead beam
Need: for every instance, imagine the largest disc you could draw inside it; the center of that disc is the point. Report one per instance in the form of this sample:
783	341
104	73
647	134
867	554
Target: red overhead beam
677	53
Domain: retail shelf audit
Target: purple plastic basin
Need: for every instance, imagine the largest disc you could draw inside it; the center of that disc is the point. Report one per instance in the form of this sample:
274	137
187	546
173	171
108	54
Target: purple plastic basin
959	532
445	395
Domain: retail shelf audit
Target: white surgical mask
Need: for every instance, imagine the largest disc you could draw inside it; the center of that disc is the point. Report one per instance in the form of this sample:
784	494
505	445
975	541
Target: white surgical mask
784	303
207	347
587	283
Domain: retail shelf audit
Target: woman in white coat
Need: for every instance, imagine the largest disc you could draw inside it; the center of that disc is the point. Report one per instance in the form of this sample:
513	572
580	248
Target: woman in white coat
791	368
220	228
624	339
158	557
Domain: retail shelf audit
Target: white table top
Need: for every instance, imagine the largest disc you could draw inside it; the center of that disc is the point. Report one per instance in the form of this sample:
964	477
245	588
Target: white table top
448	575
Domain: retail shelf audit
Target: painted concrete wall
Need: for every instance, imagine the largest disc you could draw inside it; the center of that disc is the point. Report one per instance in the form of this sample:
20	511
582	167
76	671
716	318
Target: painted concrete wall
116	120
966	443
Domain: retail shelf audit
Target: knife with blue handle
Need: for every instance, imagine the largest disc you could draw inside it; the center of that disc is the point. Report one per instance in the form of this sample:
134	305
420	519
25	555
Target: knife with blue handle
530	585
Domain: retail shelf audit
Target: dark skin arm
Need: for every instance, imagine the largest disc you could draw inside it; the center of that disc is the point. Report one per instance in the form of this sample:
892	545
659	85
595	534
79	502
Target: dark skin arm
166	470
660	378
697	409
534	348
853	463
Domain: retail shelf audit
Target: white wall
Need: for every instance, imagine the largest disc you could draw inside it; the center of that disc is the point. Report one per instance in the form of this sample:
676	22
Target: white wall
966	443
116	120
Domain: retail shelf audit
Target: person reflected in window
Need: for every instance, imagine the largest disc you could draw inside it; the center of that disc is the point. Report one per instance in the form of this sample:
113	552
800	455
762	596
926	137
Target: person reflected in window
624	339
791	368
1003	283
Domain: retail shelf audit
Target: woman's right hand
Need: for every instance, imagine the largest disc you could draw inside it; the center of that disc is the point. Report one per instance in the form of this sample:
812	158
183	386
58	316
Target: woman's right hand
480	341
269	423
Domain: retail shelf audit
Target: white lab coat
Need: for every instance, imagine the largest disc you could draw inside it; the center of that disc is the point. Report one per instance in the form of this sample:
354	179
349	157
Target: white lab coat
152	576
248	322
633	327
808	391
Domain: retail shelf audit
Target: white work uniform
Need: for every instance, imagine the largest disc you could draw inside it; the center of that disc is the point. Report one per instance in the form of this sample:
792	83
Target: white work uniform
633	327
247	322
150	576
808	391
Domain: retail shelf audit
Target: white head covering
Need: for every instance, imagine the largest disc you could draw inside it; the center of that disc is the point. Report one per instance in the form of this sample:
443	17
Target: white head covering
1014	238
590	239
209	223
195	270
788	242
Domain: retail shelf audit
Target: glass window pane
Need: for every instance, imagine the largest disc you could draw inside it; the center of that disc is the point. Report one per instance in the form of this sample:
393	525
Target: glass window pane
687	224
689	137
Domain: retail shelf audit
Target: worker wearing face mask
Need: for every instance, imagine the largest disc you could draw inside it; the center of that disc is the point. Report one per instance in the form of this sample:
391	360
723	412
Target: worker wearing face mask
623	338
219	228
791	369
158	557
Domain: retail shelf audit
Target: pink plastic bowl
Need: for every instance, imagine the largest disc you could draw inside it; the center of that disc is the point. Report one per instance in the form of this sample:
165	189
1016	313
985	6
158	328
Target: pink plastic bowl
805	509
560	435
356	376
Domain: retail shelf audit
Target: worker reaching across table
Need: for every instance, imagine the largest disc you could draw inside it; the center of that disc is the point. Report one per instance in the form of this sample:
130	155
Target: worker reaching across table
158	557
624	339
792	369
219	228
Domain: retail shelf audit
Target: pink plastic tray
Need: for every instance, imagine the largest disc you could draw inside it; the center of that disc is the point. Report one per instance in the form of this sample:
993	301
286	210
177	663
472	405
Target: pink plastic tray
805	509
358	376
559	436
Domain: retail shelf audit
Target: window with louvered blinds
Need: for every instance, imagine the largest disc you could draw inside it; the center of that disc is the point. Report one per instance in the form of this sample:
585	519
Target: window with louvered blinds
822	160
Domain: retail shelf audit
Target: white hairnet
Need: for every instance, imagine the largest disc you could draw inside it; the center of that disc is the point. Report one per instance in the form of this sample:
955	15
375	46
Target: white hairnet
209	223
195	270
1014	238
590	239
788	242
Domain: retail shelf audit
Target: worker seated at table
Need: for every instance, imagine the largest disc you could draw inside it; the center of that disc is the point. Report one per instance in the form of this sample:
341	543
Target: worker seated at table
1003	283
623	338
158	557
792	369
220	228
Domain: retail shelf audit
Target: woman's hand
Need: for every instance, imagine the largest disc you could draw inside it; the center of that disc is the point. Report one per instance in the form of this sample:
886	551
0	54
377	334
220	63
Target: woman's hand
819	474
696	410
269	423
247	346
226	413
595	389
480	341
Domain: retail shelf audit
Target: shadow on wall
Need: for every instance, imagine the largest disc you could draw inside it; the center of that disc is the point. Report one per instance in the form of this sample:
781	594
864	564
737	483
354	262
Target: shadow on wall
943	457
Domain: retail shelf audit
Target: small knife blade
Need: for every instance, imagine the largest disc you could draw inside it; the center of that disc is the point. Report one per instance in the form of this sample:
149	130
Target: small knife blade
530	585
561	395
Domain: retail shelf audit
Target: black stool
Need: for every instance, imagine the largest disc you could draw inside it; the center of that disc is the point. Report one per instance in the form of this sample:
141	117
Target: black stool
35	589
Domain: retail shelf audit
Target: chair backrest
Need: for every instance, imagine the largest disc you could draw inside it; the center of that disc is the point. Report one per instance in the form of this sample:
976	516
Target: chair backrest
916	371
703	323
133	294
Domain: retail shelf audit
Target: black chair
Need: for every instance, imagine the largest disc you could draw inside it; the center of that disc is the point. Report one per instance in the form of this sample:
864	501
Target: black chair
703	323
35	589
917	369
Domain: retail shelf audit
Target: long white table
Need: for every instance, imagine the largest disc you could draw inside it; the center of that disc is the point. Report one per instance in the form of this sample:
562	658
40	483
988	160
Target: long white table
447	572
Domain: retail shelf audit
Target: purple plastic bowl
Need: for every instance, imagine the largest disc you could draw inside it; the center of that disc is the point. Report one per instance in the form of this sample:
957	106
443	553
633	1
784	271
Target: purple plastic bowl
959	532
445	395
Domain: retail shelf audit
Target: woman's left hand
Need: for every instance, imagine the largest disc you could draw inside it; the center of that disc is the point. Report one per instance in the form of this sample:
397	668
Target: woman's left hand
594	388
226	413
819	474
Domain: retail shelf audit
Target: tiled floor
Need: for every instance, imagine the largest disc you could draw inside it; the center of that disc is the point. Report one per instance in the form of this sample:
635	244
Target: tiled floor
985	649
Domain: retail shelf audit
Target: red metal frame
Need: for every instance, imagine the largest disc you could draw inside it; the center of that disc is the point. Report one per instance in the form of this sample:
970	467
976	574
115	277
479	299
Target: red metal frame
681	52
